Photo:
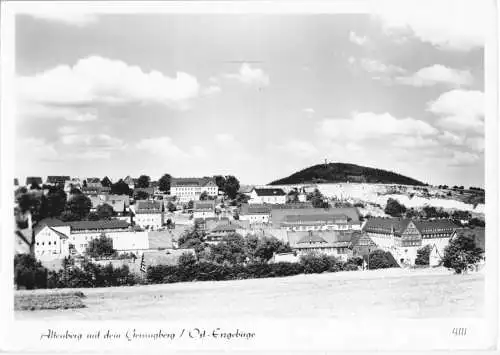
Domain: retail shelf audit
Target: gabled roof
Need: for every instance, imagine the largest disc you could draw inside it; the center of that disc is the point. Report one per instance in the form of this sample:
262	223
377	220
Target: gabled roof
269	192
98	225
247	209
191	181
227	227
203	205
33	179
311	238
61	235
399	225
326	218
362	240
147	206
314	239
93	180
278	215
57	179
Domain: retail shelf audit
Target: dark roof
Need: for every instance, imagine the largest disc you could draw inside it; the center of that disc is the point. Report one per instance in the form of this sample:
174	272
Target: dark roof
104	224
227	227
146	206
254	209
96	189
311	238
93	180
149	190
55	179
331	239
191	181
362	240
270	192
278	216
203	205
33	179
327	218
399	225
61	235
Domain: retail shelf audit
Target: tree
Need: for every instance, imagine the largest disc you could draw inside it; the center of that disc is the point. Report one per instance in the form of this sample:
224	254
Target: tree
190	205
93	216
186	260
171	207
266	247
220	181
394	208
164	183
141	195
35	186
106	182
105	211
80	206
317	199
379	259
231	250
84	183
121	188
412	213
476	222
68	216
204	196
29	272
56	201
100	247
75	191
231	186
293	196
423	255
461	253
143	181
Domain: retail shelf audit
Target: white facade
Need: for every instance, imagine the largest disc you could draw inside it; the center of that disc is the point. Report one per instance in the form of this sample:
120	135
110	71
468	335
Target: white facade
186	193
203	214
255	218
274	199
50	245
149	220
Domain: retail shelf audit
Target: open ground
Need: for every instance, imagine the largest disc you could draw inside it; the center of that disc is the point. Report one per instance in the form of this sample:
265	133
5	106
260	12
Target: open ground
404	293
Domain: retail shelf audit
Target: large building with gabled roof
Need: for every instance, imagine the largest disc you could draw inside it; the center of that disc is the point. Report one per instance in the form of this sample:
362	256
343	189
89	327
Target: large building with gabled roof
190	189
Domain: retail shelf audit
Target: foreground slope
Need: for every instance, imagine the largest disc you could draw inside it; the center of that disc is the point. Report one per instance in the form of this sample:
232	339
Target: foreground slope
341	172
427	293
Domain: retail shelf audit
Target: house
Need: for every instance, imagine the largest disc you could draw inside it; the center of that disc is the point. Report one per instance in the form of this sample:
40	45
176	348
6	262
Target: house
403	237
308	218
148	214
57	239
267	195
205	224
93	182
222	230
255	213
34	180
204	209
74	183
95	190
149	190
362	245
333	243
57	180
190	189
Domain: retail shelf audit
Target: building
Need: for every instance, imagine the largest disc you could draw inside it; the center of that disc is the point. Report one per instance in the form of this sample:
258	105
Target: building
34	180
403	237
206	224
148	214
223	229
57	180
333	243
190	189
57	239
308	218
254	213
95	190
362	245
74	183
204	209
267	195
93	182
149	190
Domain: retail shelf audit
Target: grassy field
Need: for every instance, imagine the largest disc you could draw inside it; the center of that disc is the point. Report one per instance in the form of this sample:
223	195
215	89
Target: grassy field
389	293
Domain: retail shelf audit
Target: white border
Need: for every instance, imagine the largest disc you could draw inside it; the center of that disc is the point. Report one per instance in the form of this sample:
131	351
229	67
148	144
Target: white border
405	334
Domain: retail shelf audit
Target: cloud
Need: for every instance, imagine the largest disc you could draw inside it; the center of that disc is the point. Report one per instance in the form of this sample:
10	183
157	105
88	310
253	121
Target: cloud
100	80
437	74
166	147
451	138
446	24
75	18
211	90
250	76
463	158
414	142
299	148
310	111
67	130
475	143
369	125
375	66
459	110
93	141
357	39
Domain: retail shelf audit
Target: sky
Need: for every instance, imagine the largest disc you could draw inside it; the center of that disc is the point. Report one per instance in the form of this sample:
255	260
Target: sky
255	96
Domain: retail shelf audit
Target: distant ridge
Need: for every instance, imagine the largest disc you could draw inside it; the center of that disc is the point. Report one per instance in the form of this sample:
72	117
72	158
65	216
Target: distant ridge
341	172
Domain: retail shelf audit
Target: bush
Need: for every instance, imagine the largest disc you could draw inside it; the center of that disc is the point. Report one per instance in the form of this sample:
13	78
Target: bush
29	273
423	255
379	259
461	253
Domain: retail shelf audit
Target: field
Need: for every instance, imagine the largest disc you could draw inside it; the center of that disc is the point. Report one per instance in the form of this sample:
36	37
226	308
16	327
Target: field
421	293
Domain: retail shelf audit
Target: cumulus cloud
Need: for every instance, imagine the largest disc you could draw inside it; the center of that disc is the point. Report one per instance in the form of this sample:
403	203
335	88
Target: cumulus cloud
165	146
437	74
414	142
354	38
446	24
375	66
475	143
250	76
95	80
309	111
369	125
463	158
459	110
93	141
211	90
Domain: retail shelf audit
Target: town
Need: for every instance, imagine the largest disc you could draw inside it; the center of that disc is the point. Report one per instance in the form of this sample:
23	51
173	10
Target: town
140	223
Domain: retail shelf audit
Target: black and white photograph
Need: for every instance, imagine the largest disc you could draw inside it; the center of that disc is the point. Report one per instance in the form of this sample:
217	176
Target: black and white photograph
329	165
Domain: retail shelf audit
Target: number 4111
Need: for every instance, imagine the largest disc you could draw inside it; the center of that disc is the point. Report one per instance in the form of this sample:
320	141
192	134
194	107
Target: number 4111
459	331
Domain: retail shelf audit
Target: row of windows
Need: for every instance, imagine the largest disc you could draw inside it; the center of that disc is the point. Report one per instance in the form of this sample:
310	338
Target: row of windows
43	243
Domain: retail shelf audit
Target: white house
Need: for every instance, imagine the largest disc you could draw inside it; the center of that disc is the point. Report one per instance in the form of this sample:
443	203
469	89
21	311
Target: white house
267	195
190	189
255	213
333	243
148	214
203	209
56	239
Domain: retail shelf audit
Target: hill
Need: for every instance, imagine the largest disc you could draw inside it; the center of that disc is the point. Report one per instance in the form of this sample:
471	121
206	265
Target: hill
340	172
